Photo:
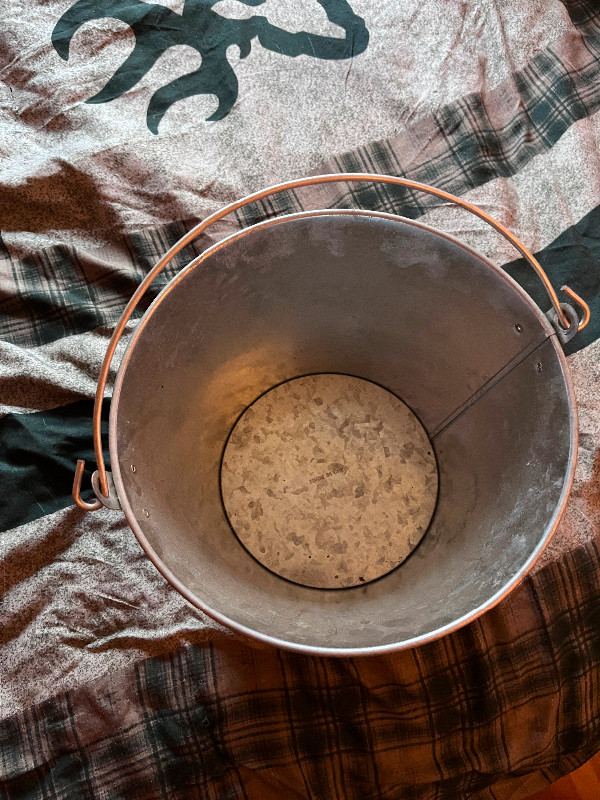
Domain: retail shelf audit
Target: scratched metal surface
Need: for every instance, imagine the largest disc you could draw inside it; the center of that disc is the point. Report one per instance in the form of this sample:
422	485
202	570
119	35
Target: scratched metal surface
329	481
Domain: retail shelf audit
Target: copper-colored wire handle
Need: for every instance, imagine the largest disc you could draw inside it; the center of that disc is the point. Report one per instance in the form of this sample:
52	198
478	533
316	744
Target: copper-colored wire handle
562	319
581	303
95	504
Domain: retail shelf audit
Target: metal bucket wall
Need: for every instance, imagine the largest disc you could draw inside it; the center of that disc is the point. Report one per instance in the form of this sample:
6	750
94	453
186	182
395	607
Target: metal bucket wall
378	298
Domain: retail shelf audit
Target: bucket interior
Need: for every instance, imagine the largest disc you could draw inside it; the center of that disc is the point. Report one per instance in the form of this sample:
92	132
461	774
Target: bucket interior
388	301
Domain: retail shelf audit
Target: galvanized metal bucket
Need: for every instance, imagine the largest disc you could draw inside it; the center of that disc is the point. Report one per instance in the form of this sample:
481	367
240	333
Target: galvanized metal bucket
358	293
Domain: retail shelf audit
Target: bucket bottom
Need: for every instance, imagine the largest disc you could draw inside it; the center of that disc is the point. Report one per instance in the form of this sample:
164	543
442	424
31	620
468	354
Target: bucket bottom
329	480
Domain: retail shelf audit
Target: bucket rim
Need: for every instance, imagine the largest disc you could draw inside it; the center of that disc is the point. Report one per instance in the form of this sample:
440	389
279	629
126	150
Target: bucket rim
415	641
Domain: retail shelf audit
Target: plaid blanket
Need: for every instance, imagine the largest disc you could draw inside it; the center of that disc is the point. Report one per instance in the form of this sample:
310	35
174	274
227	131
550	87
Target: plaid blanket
122	124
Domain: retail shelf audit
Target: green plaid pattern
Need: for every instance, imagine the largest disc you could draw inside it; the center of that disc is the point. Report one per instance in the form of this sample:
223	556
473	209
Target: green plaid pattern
584	14
61	291
512	693
473	140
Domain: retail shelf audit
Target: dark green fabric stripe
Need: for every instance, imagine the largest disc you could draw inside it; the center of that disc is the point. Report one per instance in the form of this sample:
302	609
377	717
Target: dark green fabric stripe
572	259
38	453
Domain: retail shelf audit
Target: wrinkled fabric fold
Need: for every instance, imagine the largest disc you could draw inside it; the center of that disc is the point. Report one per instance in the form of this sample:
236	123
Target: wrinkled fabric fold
111	685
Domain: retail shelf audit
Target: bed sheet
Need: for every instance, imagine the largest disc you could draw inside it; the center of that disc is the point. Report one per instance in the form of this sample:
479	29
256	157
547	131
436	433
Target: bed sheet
122	124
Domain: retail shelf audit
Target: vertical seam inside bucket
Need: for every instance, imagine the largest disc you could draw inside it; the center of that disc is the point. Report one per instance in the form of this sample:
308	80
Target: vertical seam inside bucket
487	386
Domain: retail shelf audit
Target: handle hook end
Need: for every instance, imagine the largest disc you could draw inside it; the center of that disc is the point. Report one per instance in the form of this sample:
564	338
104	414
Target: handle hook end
582	305
83	504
